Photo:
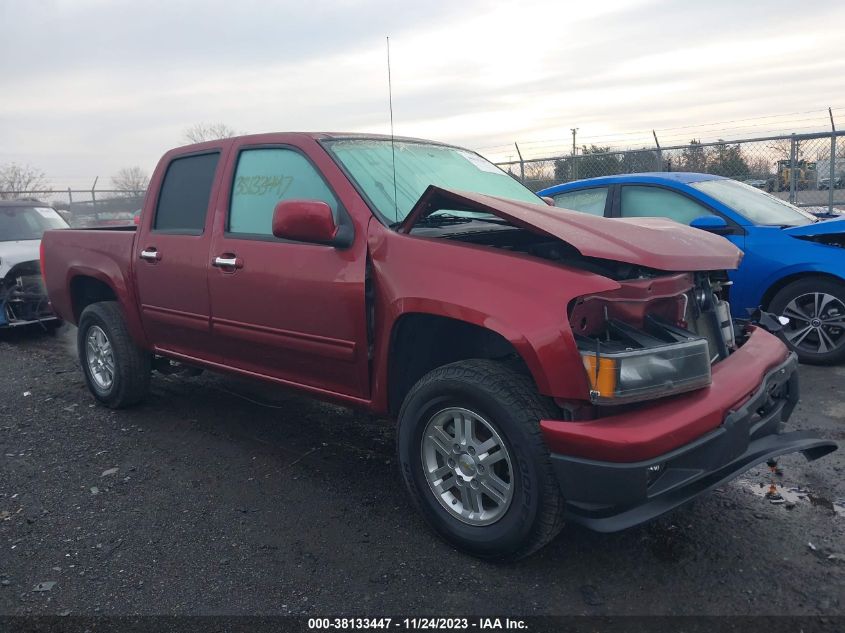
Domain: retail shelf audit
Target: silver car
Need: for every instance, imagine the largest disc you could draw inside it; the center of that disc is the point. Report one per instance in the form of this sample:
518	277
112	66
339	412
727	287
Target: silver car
23	300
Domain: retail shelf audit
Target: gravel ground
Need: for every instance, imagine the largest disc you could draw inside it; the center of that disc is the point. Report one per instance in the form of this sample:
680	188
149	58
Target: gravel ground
219	496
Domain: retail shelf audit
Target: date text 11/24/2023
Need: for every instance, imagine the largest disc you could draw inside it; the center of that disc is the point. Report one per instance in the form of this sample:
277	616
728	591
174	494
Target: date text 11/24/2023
417	624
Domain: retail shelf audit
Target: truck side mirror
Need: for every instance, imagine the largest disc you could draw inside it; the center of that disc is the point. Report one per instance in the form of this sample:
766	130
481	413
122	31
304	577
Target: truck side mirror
712	223
309	221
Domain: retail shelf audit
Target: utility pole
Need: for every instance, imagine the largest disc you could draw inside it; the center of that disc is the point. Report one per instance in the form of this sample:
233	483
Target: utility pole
574	132
574	162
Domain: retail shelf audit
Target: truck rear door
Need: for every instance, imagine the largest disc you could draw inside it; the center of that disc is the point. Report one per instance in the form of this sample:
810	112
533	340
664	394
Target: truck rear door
171	258
291	311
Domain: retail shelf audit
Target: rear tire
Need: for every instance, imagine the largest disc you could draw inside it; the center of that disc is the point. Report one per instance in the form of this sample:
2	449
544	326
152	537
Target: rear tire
497	409
814	305
116	370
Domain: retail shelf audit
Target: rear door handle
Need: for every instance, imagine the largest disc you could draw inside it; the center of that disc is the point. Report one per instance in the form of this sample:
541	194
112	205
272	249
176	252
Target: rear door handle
227	261
150	254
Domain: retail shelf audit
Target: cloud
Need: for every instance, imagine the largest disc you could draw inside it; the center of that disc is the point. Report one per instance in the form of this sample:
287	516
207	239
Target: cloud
91	86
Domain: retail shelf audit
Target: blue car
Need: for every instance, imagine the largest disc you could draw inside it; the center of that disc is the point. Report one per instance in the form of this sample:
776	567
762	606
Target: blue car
794	262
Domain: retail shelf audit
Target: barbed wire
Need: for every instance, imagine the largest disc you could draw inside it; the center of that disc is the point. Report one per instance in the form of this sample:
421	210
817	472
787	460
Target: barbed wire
713	130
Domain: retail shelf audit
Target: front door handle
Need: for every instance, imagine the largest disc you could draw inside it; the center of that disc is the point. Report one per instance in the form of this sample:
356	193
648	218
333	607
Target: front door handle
150	254
227	260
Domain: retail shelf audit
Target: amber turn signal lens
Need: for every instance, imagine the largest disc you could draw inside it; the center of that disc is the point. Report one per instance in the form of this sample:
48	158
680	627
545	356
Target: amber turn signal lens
602	373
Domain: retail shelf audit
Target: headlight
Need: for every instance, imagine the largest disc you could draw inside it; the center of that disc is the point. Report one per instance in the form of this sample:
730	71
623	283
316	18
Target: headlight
618	377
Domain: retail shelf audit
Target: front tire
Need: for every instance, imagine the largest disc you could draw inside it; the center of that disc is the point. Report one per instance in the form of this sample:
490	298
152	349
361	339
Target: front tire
474	461
116	370
815	307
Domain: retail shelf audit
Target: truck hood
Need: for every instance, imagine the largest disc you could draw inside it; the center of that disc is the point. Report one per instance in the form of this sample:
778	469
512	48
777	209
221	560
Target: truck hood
825	227
13	253
651	242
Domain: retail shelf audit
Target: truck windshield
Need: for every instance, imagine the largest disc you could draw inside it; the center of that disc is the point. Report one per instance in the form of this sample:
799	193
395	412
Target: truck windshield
369	162
28	223
755	205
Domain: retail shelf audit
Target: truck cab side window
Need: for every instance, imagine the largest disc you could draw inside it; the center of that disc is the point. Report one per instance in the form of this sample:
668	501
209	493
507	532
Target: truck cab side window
185	192
266	176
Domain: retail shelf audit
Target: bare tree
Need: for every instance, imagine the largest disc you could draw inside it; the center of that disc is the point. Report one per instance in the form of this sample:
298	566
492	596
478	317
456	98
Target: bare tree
18	180
200	132
539	171
760	167
539	174
782	148
131	181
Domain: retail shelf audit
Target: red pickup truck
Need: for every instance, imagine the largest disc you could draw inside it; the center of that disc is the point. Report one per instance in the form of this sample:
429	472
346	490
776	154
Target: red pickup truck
544	365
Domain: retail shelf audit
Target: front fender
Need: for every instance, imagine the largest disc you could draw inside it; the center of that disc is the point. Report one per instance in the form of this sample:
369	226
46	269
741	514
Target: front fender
521	298
810	268
553	342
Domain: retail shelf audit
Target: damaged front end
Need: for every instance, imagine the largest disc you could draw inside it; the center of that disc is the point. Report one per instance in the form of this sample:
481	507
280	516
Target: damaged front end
657	334
653	337
23	298
682	399
676	396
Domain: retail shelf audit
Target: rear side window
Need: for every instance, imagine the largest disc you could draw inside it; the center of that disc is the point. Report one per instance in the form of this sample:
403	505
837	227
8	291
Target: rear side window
266	176
185	192
656	202
590	201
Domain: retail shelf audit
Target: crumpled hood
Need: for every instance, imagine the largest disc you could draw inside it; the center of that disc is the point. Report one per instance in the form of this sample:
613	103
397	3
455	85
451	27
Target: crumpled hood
13	253
652	242
825	227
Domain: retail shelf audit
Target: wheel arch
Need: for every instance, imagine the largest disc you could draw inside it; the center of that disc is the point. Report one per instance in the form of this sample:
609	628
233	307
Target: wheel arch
423	341
787	279
87	289
87	286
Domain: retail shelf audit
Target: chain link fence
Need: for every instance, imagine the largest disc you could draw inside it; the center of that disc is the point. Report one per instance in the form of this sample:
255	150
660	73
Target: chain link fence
86	208
806	169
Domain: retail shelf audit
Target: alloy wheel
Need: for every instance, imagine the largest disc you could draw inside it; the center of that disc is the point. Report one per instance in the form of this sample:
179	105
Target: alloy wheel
467	466
817	322
100	357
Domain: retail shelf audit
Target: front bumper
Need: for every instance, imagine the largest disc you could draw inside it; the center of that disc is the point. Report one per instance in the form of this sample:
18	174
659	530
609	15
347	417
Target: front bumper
47	320
608	496
23	298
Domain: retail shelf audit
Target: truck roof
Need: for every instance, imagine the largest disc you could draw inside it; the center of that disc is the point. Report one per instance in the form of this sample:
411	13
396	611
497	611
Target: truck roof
270	137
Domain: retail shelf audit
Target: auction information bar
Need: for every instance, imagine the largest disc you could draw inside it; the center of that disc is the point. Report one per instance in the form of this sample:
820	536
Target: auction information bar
534	624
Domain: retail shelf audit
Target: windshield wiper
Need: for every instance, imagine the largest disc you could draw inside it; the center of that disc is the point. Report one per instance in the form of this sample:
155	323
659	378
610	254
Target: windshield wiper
439	219
443	219
448	219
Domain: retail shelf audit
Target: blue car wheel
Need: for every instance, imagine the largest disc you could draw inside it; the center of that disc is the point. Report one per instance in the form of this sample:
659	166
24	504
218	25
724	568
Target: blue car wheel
815	307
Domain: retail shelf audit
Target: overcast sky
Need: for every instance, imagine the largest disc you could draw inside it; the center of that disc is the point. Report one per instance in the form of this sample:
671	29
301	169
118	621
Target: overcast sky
90	86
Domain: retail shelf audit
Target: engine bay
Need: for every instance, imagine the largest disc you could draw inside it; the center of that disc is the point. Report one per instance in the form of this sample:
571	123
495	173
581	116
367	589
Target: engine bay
516	240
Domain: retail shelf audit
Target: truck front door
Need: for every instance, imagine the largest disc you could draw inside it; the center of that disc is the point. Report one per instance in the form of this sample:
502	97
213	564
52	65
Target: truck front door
171	258
291	311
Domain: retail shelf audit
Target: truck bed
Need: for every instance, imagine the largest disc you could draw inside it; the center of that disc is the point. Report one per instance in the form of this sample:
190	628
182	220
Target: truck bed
102	254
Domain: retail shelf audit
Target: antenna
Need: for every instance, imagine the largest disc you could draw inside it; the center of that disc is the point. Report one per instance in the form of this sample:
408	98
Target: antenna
392	143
